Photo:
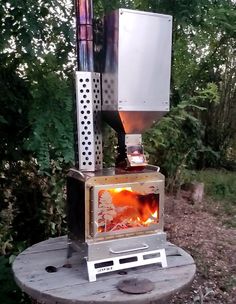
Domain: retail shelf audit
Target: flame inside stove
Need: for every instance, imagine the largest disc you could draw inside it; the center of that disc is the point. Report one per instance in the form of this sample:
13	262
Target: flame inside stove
123	208
118	190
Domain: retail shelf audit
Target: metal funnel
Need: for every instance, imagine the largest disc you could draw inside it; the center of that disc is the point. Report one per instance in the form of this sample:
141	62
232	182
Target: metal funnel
136	76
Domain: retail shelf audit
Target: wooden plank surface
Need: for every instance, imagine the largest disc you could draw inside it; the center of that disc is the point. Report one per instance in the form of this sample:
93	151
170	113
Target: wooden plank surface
70	285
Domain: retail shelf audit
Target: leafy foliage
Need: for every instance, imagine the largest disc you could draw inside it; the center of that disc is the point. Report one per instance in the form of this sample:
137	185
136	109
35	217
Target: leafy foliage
176	141
9	291
30	200
36	53
6	216
50	115
14	111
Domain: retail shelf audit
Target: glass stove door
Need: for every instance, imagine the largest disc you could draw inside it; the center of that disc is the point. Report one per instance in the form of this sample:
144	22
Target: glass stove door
126	208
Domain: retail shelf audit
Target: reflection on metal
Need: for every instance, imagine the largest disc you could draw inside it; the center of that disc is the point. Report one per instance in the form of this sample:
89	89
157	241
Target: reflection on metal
135	152
143	247
130	152
105	249
136	77
84	34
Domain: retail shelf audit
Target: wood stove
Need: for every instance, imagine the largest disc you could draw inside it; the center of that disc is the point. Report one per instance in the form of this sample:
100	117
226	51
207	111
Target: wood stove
115	215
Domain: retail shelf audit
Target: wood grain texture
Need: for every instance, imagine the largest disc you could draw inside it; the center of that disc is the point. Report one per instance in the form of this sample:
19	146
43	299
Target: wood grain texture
70	285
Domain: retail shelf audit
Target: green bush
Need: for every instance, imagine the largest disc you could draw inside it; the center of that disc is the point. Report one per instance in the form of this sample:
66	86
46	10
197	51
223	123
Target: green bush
30	200
9	292
176	141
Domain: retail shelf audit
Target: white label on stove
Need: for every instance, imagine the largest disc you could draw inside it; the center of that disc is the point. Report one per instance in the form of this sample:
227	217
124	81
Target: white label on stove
104	269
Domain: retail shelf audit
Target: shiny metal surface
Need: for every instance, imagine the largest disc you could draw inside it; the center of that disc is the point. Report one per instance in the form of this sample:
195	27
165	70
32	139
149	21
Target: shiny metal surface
142	247
136	77
115	173
88	108
133	139
84	34
131	121
109	248
135	156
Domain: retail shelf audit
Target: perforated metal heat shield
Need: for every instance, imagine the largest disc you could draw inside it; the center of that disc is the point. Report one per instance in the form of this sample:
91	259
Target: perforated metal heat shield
88	106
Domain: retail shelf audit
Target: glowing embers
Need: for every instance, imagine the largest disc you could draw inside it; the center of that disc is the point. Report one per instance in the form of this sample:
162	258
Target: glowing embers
124	208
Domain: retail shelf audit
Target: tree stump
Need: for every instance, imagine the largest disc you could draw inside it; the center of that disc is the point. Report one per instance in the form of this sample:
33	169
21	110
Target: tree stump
196	191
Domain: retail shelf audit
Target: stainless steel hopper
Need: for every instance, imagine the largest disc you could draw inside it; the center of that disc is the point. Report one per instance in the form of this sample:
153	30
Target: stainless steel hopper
136	76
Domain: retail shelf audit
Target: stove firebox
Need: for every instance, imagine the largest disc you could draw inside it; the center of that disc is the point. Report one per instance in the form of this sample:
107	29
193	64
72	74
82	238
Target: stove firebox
115	215
111	206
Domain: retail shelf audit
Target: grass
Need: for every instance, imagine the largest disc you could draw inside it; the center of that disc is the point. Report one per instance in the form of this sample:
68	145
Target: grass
220	186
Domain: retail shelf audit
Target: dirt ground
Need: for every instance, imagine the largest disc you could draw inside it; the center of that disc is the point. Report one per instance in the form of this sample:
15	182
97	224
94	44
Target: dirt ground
198	229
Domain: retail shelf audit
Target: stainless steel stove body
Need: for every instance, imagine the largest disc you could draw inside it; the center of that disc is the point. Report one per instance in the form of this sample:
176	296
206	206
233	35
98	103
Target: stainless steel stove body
116	215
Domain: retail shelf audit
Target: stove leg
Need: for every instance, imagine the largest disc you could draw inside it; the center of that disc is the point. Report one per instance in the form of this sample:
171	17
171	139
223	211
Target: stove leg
91	272
69	251
163	259
119	262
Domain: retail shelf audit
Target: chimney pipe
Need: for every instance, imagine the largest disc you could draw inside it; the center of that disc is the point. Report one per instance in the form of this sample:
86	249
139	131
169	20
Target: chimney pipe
84	35
88	143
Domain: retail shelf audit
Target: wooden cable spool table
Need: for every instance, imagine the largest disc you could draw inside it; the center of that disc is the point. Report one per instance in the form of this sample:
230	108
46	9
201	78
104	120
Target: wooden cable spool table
70	284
